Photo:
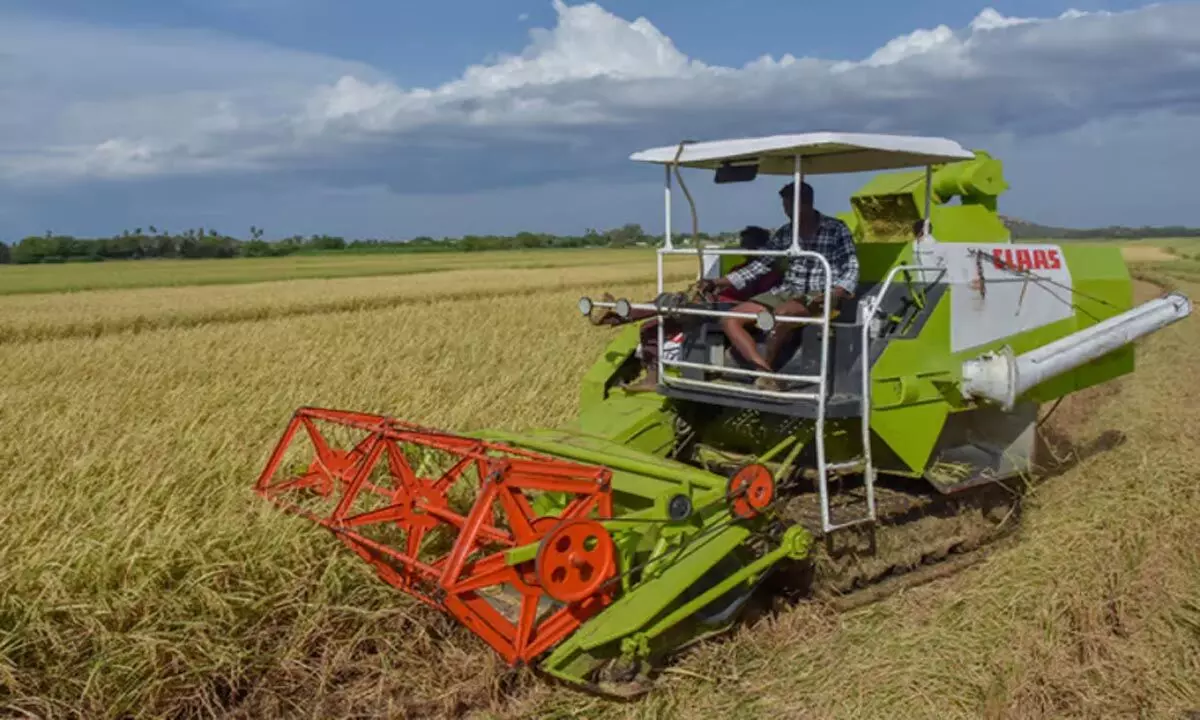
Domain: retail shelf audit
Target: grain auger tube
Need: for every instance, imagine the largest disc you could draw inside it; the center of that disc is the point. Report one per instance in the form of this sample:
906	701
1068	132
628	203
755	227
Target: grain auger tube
596	551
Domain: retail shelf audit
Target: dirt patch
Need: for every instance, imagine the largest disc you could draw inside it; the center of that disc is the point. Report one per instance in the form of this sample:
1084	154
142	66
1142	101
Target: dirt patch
1144	290
1146	253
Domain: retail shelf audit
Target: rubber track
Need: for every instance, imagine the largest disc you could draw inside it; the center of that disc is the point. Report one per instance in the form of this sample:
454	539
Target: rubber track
919	536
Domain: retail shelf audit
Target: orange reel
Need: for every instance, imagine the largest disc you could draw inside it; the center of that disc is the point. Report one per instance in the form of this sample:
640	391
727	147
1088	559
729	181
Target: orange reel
750	491
575	560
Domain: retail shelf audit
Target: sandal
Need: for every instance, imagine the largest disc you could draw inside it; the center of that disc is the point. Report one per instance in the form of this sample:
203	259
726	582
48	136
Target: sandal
766	383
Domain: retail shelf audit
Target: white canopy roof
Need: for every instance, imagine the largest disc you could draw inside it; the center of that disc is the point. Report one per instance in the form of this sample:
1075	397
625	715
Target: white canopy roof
821	153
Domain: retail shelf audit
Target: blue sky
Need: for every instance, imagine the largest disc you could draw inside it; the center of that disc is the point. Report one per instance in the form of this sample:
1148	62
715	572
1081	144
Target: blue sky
394	119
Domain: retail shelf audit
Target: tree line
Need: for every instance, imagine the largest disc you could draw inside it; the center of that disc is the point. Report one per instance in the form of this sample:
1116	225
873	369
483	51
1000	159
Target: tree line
209	243
1024	230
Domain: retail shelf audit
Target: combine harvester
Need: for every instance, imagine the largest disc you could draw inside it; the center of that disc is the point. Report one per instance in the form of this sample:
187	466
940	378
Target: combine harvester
595	551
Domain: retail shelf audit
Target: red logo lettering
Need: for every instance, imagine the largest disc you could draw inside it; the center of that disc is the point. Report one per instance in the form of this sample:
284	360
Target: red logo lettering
1024	260
1002	258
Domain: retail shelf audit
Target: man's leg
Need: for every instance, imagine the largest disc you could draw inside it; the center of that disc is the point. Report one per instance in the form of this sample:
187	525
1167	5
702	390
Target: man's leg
649	339
650	350
784	330
735	330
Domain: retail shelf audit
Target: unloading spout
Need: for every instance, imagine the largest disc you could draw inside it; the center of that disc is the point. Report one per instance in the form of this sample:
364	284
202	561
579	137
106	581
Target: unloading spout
1003	377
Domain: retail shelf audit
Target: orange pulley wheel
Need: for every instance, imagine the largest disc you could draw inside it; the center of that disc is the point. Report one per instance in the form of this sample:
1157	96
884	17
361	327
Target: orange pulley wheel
750	491
575	559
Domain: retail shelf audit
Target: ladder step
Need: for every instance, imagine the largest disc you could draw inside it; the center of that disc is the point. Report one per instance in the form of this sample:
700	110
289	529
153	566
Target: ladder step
827	511
848	465
862	463
851	523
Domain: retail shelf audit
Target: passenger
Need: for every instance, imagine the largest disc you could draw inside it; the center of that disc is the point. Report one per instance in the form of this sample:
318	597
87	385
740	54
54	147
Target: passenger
753	237
750	238
800	291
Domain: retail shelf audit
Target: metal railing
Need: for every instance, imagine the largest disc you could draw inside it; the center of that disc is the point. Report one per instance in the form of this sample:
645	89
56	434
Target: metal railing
764	319
823	321
870	306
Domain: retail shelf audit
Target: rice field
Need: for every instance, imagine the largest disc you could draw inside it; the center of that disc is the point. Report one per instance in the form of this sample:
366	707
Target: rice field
72	277
28	317
141	577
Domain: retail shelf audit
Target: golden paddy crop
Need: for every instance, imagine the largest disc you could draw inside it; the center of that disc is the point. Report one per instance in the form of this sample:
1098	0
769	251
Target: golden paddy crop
141	577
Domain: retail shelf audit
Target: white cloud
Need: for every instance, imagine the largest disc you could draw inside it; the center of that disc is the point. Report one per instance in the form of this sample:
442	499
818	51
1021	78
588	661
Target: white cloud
578	99
109	102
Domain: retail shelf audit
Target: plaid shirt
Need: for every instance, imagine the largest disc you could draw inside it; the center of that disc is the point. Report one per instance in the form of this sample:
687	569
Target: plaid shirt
805	274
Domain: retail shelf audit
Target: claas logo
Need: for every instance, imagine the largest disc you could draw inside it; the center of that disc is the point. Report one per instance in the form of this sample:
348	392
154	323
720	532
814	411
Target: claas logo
1026	259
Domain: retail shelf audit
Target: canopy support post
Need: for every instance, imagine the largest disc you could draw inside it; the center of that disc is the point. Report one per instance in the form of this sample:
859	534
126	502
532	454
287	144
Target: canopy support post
928	200
797	181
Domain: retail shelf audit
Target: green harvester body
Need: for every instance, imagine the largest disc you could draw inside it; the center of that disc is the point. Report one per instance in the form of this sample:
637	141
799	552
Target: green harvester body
914	398
937	343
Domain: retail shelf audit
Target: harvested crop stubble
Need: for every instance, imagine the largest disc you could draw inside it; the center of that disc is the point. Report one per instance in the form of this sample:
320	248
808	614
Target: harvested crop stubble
42	317
142	576
1146	253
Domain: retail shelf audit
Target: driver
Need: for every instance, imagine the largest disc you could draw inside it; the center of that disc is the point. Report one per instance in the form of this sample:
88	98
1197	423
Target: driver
801	290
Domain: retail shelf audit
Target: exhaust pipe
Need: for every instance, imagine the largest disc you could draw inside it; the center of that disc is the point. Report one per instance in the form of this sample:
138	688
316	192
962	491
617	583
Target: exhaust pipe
1002	377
